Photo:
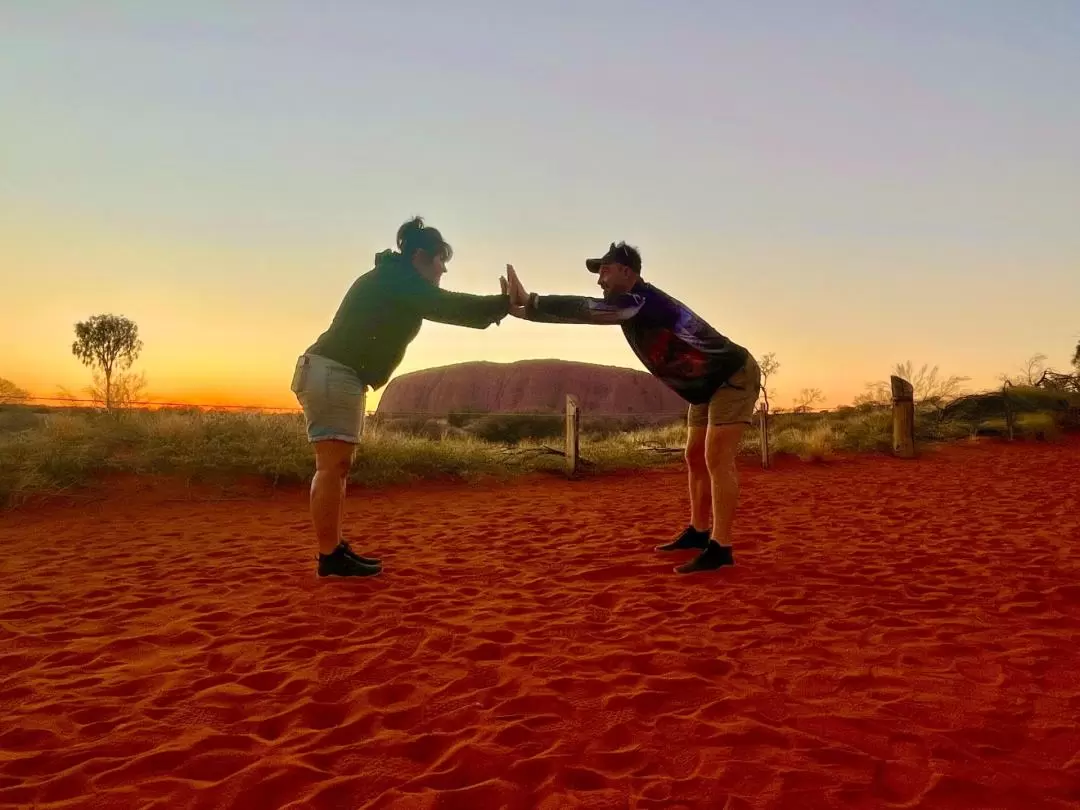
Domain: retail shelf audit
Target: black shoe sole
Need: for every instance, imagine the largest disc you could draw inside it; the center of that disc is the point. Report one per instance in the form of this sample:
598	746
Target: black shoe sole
702	569
361	571
696	565
670	548
335	575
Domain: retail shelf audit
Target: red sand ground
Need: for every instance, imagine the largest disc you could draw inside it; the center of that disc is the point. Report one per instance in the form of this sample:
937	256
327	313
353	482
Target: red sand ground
897	634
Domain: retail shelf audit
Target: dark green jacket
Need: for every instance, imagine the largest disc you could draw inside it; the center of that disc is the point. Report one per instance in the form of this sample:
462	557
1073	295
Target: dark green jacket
382	313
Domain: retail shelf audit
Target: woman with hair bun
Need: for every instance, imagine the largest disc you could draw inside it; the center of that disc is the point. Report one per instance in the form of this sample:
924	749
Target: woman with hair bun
381	314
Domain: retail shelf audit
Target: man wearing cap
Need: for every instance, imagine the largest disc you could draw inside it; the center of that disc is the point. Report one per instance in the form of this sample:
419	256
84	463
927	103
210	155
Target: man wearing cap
719	379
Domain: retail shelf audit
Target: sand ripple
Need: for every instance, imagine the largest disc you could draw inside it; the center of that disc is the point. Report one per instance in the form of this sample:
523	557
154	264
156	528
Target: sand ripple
527	649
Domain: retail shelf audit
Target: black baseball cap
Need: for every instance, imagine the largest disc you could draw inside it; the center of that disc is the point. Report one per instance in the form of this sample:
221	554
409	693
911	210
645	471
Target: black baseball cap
621	253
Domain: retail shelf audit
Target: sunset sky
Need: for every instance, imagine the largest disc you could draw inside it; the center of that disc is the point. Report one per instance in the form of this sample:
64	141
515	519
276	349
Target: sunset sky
847	184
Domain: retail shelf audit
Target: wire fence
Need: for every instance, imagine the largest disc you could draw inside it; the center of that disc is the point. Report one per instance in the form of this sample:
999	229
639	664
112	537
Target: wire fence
91	403
152	403
1049	379
821	431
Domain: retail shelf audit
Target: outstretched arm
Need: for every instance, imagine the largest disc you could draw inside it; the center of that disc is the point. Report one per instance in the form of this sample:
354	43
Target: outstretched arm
581	309
570	308
457	308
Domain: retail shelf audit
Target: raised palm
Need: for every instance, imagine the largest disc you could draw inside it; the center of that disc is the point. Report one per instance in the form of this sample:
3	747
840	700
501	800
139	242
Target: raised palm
519	297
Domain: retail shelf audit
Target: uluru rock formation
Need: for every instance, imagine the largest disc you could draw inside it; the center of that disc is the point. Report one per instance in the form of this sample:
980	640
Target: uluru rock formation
528	386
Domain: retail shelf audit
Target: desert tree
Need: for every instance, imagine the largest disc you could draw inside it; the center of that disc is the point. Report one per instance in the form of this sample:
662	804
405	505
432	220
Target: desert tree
124	390
11	393
769	365
806	400
931	388
109	344
876	393
1076	357
1030	373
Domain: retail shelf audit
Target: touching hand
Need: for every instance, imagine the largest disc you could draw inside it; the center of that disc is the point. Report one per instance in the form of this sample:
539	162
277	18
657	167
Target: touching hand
518	295
517	310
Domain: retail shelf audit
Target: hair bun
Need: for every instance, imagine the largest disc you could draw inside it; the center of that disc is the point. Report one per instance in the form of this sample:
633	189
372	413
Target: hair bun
414	235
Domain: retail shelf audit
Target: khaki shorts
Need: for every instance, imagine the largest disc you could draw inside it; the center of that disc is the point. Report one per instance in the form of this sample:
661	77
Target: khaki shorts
732	403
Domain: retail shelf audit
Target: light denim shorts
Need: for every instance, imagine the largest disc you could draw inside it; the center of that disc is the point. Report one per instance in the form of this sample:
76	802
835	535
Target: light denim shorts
332	396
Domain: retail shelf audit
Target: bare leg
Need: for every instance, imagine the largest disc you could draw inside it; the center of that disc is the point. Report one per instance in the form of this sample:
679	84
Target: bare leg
699	481
721	446
341	518
341	513
332	460
695	536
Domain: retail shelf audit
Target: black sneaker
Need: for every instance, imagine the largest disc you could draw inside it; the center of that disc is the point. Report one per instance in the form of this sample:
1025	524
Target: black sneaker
713	557
354	556
340	564
691	538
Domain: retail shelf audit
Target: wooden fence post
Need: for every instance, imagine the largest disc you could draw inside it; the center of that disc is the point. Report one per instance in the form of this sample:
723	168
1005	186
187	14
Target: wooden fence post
573	433
1008	409
763	415
903	402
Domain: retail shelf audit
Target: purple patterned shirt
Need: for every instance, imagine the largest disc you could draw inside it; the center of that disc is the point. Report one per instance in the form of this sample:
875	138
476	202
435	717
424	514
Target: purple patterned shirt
674	344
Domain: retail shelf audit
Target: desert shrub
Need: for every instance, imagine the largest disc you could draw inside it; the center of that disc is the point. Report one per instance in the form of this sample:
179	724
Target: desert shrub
985	413
514	428
412	425
51	450
1030	399
992	404
68	448
464	417
1041	426
811	443
431	429
61	452
15	418
866	430
605	426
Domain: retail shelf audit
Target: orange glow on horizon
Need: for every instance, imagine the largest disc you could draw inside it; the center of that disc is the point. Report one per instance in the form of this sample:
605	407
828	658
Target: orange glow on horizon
283	400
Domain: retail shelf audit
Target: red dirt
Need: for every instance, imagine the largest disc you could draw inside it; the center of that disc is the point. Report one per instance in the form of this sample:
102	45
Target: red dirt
896	634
